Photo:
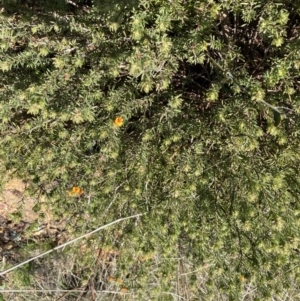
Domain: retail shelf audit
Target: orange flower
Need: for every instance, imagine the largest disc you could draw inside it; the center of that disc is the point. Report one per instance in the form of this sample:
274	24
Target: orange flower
111	279
124	290
118	121
75	191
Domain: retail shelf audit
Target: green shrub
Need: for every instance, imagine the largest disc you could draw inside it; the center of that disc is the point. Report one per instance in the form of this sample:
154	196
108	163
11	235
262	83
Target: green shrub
209	144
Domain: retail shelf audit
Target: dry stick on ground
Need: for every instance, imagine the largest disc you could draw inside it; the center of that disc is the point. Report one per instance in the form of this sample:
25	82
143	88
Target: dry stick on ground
67	243
45	291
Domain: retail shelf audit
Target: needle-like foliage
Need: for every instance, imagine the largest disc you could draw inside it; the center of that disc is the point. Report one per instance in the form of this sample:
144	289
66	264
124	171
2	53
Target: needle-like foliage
185	110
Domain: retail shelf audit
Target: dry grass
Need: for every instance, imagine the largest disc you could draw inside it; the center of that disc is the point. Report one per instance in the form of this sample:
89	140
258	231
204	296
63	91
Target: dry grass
88	272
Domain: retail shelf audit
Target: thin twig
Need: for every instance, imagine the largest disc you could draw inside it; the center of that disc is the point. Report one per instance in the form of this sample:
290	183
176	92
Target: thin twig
175	295
67	243
58	291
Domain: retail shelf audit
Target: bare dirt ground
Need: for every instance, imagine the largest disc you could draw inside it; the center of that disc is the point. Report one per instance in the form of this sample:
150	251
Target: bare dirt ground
17	214
12	199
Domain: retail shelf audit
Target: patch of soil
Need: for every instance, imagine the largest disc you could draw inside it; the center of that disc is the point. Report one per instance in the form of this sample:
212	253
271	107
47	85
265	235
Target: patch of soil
13	200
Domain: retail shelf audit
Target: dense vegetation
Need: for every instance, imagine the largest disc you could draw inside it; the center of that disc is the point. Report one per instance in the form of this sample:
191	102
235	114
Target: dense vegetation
184	110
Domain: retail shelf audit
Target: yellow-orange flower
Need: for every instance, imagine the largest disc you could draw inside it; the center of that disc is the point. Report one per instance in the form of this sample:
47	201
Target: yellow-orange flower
118	121
124	290
75	191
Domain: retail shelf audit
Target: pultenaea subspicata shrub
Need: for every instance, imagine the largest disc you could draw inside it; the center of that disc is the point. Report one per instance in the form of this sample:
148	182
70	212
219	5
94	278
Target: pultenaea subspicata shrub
210	148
